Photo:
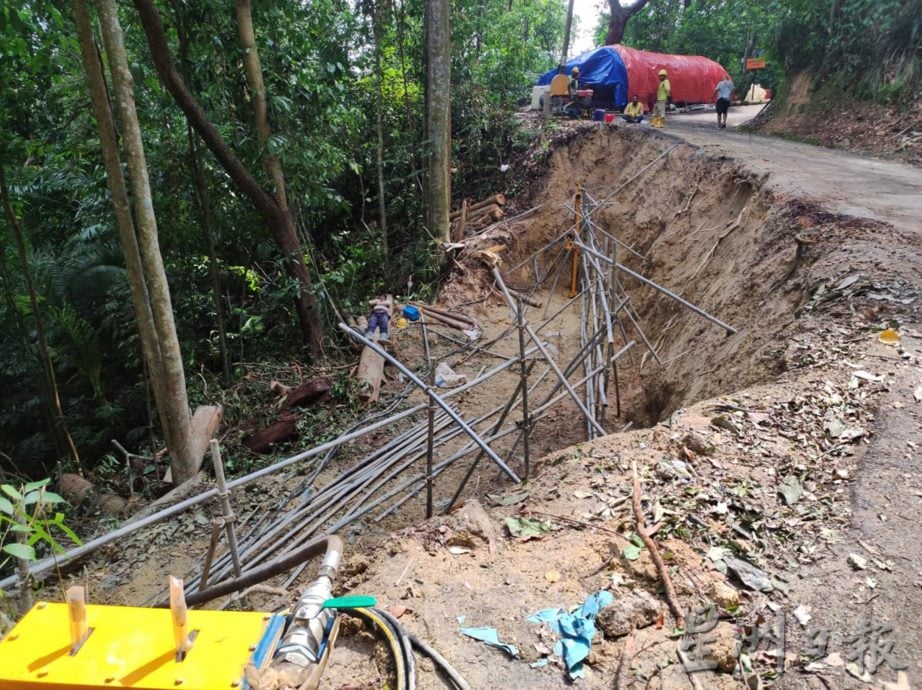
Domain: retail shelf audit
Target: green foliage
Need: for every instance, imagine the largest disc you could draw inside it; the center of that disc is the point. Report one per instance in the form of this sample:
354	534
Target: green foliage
322	63
28	520
872	48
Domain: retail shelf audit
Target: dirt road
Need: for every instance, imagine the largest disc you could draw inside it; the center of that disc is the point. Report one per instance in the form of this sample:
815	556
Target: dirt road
845	183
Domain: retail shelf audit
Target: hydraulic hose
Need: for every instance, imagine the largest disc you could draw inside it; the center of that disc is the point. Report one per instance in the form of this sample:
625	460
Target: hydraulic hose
440	662
327	544
394	643
405	644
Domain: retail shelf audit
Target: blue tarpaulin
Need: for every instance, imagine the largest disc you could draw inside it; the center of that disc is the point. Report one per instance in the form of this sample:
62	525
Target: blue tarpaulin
601	70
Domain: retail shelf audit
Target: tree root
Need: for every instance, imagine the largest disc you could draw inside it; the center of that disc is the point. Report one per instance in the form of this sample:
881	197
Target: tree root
641	529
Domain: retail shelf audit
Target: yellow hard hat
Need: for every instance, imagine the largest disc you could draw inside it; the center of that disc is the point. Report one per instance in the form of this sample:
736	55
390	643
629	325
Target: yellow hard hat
662	73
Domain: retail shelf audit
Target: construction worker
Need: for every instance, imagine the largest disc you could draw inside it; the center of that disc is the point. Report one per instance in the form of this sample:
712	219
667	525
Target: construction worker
633	113
381	307
663	95
573	86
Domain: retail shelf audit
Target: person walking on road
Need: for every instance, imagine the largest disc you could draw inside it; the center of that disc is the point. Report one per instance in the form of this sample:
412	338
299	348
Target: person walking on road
724	91
663	95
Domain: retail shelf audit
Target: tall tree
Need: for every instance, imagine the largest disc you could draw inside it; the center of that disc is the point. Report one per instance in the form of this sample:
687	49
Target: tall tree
618	18
174	404
438	117
279	219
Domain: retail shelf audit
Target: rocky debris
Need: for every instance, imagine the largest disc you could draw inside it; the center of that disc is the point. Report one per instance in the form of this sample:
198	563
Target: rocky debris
725	596
637	609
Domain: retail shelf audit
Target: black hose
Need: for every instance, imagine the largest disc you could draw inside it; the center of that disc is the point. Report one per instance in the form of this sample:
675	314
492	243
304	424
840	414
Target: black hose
315	547
394	643
440	662
405	644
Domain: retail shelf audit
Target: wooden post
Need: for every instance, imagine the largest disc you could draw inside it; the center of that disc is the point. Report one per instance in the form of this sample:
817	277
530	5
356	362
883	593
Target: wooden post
180	614
76	612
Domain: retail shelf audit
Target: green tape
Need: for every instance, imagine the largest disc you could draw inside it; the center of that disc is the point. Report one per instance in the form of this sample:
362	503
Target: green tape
358	601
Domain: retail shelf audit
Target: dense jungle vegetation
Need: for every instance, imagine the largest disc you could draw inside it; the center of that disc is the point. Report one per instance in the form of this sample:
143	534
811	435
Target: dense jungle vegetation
344	95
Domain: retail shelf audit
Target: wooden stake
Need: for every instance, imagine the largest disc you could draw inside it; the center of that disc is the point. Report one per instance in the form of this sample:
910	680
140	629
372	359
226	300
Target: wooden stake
180	617
76	612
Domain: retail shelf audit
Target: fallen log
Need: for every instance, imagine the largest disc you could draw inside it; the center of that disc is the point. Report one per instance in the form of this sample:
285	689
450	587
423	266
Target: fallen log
493	212
281	430
457	316
74	488
370	375
439	318
311	391
498	199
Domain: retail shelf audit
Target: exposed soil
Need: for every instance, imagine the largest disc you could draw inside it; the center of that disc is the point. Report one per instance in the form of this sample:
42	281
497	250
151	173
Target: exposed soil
810	254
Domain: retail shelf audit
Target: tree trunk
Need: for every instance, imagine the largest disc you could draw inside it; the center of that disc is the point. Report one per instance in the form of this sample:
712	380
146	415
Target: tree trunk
150	345
61	433
279	222
438	118
203	199
149	246
619	16
379	130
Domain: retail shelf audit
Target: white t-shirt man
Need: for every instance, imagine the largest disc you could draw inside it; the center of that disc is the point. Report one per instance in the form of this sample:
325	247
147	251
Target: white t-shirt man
724	89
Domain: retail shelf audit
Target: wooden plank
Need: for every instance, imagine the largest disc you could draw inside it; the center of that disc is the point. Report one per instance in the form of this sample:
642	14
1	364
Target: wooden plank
370	375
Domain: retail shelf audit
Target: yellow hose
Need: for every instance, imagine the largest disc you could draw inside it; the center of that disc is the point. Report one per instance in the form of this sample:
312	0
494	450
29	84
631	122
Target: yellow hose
393	642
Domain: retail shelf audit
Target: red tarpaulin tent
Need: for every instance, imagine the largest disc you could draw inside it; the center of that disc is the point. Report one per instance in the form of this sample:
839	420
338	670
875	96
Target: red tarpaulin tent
692	77
616	73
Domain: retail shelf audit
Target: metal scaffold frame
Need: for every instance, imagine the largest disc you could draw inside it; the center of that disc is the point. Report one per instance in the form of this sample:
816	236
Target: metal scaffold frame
439	434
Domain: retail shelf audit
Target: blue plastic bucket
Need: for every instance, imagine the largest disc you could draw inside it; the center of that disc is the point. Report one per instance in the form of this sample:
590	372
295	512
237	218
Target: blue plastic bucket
598	114
411	313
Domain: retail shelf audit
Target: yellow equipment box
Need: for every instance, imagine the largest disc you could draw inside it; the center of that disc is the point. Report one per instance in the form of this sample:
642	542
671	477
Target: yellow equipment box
134	648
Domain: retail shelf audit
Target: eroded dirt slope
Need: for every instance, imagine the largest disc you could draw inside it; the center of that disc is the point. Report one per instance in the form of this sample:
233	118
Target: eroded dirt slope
790	445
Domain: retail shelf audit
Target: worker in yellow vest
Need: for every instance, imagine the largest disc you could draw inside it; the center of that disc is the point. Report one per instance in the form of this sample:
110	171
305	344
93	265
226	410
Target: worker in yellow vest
663	94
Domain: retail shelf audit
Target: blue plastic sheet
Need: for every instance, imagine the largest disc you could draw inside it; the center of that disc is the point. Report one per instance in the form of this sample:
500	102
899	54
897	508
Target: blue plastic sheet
601	70
576	630
491	637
